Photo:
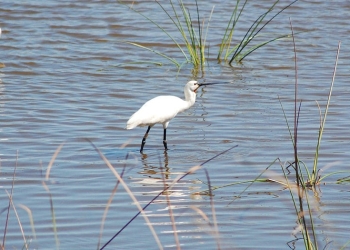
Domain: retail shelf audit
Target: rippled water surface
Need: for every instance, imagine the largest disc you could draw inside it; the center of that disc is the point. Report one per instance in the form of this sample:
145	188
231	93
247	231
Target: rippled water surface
68	79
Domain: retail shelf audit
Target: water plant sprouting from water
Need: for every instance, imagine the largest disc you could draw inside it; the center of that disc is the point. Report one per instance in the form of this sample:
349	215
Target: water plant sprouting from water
194	31
312	176
241	50
299	190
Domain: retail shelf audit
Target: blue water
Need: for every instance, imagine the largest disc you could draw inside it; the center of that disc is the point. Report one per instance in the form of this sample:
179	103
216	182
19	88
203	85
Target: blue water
69	78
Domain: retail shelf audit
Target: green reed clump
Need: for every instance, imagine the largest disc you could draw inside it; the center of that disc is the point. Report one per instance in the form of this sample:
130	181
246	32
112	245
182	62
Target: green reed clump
312	176
194	31
241	50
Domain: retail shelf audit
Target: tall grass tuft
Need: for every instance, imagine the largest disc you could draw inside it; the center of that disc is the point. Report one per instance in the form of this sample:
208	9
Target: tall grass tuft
312	176
193	31
241	50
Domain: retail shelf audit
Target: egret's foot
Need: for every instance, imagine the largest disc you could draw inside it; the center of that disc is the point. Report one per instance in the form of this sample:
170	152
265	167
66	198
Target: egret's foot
165	145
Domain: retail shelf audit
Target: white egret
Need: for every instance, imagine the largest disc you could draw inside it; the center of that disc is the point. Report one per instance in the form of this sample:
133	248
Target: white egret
162	109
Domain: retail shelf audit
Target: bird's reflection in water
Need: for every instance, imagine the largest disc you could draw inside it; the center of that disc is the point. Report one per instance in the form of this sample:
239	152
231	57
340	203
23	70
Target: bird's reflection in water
156	167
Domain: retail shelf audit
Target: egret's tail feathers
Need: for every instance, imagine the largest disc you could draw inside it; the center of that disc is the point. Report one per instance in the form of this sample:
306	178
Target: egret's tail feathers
131	123
130	126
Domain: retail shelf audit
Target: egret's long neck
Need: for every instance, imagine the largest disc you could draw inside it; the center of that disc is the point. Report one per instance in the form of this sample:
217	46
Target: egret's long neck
190	97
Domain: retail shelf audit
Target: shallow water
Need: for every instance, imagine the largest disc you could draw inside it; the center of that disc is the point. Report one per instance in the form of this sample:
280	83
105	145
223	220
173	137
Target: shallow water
68	78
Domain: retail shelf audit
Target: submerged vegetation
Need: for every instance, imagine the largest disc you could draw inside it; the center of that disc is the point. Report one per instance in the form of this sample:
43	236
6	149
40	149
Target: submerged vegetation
194	31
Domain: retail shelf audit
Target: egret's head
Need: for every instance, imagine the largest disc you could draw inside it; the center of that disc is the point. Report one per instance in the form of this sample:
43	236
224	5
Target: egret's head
193	85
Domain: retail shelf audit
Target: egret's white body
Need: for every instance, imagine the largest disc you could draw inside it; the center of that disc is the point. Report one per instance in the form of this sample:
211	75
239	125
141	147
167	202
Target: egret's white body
162	109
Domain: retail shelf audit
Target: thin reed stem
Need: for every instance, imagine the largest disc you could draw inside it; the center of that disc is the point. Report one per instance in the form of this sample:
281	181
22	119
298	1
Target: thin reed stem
323	120
53	216
104	216
215	222
9	204
19	221
296	161
30	216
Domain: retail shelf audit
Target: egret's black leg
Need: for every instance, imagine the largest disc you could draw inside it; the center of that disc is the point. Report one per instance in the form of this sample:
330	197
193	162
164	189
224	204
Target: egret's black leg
144	139
164	140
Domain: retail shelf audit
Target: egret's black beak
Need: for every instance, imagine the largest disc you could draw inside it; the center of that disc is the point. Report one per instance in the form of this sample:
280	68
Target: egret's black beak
209	83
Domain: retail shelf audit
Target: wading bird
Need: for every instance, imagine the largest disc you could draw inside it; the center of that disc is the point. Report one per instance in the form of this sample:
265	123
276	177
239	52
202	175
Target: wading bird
162	109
